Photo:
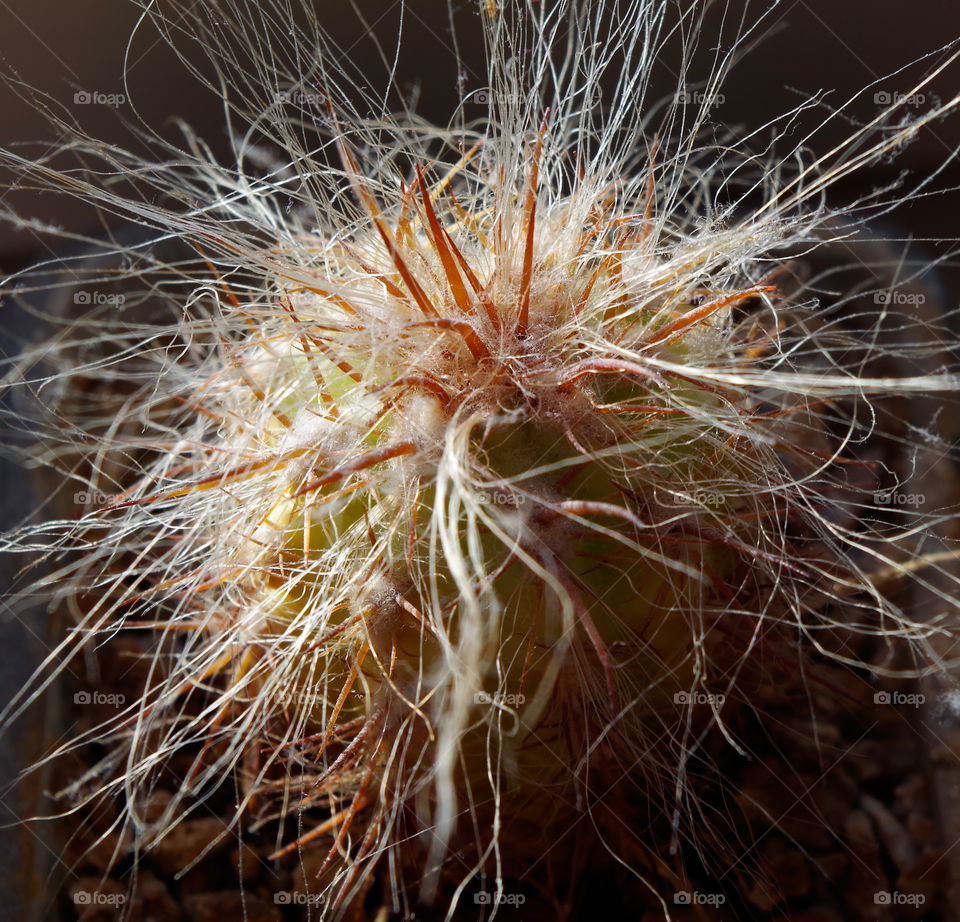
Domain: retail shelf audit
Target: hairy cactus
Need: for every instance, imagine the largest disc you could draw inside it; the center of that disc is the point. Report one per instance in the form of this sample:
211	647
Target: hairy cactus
470	495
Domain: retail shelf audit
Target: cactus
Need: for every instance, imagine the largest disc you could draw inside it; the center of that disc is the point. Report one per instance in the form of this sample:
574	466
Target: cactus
468	497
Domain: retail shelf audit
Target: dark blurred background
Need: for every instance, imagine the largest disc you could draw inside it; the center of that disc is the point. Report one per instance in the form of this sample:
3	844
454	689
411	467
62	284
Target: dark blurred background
808	46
